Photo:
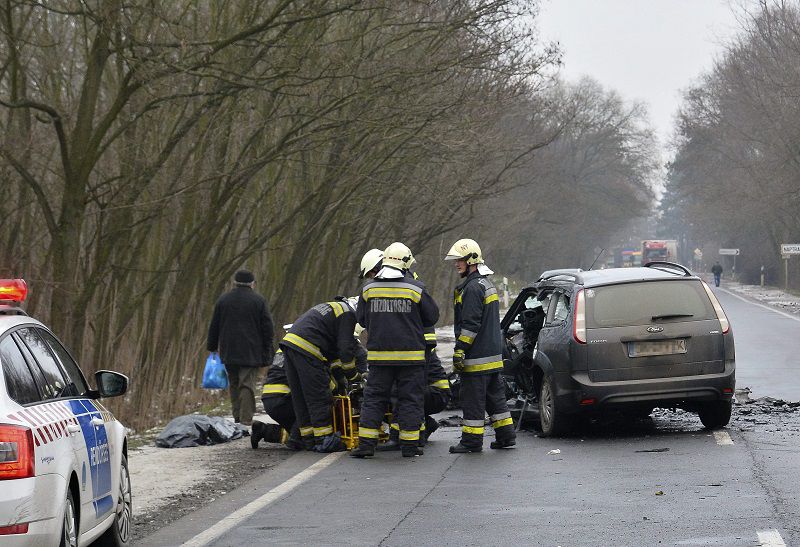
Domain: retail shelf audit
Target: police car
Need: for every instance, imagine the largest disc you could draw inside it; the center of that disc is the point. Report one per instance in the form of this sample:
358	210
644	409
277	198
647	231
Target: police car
63	457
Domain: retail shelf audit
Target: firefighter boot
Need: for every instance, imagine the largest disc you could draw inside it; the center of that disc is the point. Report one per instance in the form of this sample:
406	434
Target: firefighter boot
503	443
364	450
431	425
308	442
409	450
256	433
392	444
461	449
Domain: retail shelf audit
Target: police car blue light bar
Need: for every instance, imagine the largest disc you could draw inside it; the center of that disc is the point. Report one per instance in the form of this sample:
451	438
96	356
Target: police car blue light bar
13	290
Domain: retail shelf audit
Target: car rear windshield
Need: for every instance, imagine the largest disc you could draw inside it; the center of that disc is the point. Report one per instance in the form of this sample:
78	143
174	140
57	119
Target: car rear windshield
647	303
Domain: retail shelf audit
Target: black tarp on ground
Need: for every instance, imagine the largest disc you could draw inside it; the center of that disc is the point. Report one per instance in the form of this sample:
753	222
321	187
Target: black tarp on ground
199	430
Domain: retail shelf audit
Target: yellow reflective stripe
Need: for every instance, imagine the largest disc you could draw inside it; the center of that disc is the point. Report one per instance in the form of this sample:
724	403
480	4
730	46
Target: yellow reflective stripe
368	433
275	388
457	298
410	355
392	292
466	339
337	308
350	365
430	336
483	367
395	426
502	423
441	384
322	431
336	364
409	435
490	299
306	431
473	430
302	343
332	384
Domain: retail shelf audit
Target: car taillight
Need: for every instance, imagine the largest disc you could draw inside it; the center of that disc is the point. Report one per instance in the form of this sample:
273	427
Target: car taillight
14	529
579	324
723	319
16	452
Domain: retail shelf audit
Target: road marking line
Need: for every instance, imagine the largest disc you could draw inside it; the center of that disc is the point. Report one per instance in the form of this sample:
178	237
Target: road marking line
235	518
770	538
779	312
723	437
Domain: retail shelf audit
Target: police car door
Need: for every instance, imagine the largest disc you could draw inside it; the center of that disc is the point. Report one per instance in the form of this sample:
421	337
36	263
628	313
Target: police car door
89	443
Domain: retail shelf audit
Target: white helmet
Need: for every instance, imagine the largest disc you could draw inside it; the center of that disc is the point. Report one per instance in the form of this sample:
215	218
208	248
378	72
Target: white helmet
371	260
397	255
466	249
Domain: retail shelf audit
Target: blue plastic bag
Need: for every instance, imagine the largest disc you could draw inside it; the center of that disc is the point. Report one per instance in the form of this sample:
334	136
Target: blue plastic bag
214	375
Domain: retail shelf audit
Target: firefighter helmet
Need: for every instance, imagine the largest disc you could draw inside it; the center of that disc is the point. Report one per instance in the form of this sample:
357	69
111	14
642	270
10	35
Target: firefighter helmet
466	249
371	261
397	255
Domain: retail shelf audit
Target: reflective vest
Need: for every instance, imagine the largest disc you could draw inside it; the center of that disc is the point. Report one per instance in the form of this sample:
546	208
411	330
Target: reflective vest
477	325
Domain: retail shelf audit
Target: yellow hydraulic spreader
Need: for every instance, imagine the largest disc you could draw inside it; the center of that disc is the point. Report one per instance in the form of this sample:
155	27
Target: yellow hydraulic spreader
345	422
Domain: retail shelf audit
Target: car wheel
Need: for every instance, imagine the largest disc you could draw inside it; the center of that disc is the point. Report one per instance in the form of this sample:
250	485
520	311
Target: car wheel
552	421
69	530
716	415
120	531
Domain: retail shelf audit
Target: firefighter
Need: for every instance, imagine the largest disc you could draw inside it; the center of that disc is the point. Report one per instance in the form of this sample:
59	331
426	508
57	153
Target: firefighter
371	263
395	309
277	400
477	354
320	336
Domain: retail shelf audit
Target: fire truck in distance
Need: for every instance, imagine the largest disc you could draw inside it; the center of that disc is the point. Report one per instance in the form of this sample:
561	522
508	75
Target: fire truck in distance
659	249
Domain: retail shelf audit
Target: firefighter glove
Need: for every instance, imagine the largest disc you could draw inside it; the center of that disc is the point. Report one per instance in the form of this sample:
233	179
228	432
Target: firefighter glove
458	360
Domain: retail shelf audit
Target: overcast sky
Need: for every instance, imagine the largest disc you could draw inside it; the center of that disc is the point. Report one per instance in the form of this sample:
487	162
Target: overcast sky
647	50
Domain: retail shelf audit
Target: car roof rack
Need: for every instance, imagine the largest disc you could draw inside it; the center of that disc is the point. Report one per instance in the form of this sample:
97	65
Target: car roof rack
571	273
670	267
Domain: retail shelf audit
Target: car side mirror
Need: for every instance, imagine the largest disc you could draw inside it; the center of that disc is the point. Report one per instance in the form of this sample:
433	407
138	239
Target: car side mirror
110	383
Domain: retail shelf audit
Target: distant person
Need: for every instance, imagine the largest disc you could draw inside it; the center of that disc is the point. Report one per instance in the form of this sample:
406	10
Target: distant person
241	331
716	269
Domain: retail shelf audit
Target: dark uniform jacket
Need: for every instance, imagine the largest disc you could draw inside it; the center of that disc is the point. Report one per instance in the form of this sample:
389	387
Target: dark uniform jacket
241	329
395	312
477	325
437	377
325	332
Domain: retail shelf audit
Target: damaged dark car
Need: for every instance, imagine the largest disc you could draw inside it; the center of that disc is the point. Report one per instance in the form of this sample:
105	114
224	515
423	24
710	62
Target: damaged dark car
579	344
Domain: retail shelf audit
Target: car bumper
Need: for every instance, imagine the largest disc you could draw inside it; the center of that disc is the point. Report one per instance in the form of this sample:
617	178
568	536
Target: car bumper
577	392
37	501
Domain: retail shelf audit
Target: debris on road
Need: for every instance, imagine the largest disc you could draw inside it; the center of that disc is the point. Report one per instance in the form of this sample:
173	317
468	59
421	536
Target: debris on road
653	450
554	452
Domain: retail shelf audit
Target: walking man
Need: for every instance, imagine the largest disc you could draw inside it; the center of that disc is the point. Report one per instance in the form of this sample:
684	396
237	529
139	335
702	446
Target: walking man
716	269
478	352
241	331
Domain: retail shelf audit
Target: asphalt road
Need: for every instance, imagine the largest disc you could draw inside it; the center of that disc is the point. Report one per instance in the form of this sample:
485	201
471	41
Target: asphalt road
664	480
767	347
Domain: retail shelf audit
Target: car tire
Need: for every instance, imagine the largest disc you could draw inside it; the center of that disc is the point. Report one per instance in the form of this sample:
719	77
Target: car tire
716	415
120	531
552	421
69	528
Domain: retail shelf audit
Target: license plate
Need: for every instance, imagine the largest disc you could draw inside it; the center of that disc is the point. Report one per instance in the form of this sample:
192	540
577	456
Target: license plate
656	347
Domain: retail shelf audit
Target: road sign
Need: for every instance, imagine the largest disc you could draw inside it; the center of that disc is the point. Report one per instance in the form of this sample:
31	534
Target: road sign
698	254
733	252
790	249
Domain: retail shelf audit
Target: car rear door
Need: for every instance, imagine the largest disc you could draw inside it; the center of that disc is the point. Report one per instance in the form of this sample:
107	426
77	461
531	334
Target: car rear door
649	330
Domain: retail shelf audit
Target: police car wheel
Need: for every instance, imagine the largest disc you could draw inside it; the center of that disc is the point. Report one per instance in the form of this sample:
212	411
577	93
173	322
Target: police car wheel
69	531
120	531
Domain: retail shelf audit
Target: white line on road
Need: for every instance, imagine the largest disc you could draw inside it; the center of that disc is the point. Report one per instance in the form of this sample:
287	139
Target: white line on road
779	312
770	538
723	437
248	510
